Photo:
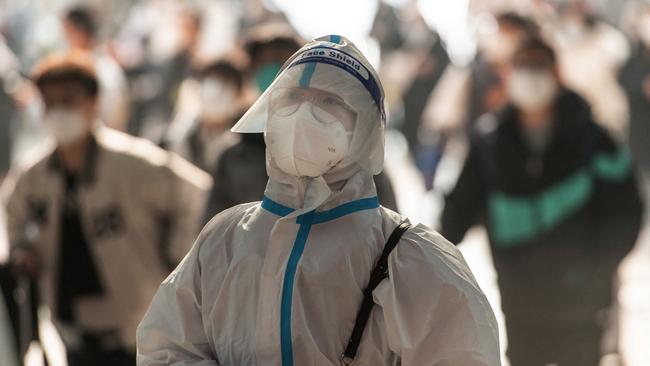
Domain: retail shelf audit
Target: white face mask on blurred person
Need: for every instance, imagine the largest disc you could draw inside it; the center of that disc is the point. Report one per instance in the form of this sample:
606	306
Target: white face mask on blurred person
302	146
65	125
532	89
218	100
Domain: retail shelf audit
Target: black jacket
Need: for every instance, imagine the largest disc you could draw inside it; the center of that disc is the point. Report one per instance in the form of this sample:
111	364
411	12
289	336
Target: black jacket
559	223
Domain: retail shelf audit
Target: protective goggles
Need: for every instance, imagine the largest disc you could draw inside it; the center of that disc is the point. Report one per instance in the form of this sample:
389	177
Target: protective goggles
325	107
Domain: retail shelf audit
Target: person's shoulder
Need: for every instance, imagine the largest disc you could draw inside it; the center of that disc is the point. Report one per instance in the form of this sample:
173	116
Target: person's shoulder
130	148
210	242
223	225
145	157
34	161
432	244
425	250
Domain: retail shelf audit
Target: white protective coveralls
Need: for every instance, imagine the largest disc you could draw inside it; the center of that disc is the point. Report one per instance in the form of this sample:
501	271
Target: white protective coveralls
279	282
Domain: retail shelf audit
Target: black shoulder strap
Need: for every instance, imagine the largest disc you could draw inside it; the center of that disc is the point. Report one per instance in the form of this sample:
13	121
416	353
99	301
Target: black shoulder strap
379	273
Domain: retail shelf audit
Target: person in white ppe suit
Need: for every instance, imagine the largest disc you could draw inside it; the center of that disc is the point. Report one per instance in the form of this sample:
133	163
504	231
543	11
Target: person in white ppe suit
280	282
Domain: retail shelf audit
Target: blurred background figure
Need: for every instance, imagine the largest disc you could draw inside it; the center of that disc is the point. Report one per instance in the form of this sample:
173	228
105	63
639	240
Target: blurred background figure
424	48
9	80
81	33
7	350
268	47
168	59
635	80
590	54
97	218
173	71
218	97
240	172
8	347
561	206
463	95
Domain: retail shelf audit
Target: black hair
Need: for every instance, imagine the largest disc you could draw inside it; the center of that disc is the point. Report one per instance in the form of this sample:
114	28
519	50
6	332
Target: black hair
70	76
525	24
536	44
254	47
82	18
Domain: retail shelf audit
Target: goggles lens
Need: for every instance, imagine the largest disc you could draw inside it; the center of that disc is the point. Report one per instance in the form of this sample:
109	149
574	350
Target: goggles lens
325	107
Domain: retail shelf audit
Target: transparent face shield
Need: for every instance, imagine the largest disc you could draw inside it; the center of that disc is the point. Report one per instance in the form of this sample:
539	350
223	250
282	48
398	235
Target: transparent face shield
338	84
325	107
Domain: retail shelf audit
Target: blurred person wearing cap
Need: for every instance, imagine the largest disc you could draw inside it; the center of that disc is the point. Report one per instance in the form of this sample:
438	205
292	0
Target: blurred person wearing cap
217	98
240	175
561	207
96	217
290	280
81	31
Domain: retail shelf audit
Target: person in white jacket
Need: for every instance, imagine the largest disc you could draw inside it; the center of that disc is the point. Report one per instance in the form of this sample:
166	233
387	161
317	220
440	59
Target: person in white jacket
281	282
98	218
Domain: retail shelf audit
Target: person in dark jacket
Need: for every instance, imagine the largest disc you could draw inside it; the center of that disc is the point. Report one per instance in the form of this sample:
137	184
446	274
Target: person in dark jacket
561	207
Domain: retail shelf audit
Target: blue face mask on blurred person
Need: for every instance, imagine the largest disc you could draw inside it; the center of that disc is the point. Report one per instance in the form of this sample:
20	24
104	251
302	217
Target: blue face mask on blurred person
265	75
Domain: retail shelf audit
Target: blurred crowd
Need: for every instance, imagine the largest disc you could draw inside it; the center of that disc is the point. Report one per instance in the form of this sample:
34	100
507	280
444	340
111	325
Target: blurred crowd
114	129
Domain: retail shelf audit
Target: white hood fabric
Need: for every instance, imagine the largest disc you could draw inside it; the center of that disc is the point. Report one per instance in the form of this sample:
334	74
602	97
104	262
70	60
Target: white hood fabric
333	64
279	282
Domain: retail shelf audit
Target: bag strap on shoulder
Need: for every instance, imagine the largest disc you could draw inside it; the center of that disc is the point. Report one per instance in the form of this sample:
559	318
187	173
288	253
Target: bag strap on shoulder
379	273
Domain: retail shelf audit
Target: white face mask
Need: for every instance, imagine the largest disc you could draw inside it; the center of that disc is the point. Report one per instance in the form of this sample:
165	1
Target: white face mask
65	125
218	99
304	147
531	90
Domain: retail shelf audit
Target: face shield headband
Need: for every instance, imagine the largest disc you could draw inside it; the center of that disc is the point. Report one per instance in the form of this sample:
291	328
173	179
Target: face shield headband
340	59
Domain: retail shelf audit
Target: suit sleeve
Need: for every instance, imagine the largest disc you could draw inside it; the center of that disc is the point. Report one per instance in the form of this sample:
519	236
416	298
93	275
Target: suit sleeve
172	332
435	313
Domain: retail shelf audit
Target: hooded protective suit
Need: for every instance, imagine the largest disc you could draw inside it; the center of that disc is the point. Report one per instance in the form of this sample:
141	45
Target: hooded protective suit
279	282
